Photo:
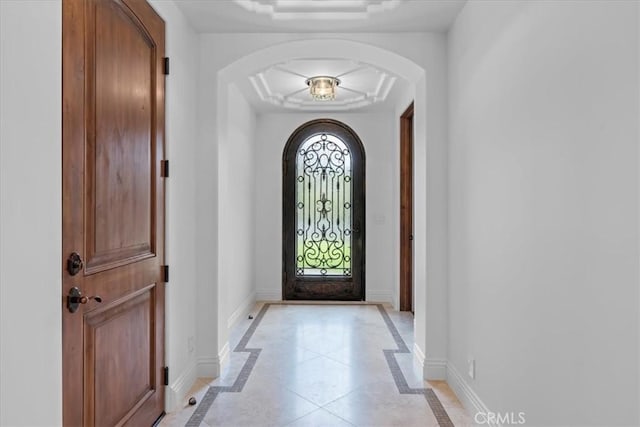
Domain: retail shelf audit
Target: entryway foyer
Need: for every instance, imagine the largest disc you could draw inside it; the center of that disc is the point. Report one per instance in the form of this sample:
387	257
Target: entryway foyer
525	270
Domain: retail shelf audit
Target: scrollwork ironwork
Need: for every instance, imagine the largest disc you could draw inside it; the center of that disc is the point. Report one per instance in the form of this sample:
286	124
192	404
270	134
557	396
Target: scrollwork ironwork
323	202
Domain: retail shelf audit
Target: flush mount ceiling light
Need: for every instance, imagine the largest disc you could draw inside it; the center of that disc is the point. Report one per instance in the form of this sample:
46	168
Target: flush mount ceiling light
285	84
323	88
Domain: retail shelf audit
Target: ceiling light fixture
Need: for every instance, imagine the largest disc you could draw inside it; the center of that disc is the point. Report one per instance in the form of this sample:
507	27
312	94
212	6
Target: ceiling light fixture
323	88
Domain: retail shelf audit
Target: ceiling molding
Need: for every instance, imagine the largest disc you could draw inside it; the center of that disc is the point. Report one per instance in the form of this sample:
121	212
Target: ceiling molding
318	9
284	85
320	16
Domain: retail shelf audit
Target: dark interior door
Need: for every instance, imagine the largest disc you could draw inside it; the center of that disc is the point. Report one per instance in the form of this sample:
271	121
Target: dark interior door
406	210
324	213
113	213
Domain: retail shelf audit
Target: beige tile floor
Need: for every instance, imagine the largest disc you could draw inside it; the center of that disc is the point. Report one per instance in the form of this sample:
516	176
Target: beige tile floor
321	365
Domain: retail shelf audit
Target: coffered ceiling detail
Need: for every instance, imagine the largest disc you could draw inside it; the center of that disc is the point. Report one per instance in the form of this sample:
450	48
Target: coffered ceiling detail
319	16
318	9
284	84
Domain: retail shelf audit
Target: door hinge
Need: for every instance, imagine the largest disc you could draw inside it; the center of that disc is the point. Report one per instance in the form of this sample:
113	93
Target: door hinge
166	375
165	273
166	66
164	168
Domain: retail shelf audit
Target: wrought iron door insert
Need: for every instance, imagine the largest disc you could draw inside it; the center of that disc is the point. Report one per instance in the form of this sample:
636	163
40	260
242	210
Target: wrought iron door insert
323	213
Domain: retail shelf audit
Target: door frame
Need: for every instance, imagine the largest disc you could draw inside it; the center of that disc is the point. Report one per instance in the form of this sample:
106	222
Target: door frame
339	288
406	210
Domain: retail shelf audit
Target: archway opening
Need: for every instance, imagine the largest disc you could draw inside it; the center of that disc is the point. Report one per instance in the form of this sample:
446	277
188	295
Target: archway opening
246	63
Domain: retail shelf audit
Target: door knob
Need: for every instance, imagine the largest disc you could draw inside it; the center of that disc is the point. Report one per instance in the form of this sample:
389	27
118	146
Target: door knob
75	298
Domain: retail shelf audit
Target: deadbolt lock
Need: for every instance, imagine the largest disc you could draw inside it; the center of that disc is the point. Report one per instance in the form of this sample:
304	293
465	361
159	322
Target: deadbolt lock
74	263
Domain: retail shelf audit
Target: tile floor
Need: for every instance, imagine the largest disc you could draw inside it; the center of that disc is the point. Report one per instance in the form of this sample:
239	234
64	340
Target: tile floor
321	365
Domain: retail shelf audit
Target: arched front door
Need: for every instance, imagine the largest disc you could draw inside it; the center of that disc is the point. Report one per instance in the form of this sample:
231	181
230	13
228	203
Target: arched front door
323	213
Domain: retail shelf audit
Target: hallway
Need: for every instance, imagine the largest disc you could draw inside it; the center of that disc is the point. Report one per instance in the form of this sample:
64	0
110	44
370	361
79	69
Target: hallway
526	212
321	365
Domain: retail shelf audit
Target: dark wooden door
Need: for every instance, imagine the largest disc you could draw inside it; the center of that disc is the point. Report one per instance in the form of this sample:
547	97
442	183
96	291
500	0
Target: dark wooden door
406	210
323	213
113	212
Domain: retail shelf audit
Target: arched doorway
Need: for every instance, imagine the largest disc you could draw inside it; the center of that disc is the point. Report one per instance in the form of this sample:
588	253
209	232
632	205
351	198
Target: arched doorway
323	213
429	132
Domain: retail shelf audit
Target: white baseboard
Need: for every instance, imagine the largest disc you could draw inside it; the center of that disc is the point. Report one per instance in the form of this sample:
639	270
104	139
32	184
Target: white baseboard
418	358
211	367
208	367
242	311
265	295
435	369
469	399
379	296
223	357
178	389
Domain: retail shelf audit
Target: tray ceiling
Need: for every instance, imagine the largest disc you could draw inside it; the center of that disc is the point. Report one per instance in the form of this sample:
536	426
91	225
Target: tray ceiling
318	9
251	16
284	84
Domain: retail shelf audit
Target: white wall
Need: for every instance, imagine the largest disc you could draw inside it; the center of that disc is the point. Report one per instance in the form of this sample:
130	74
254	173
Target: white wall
30	213
181	232
431	171
206	167
382	204
544	208
638	175
236	208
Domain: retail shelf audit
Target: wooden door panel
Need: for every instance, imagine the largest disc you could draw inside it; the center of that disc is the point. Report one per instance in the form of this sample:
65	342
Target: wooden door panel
128	322
120	139
406	210
113	212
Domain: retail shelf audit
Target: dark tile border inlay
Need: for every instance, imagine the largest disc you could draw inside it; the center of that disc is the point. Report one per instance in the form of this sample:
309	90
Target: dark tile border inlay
243	376
401	382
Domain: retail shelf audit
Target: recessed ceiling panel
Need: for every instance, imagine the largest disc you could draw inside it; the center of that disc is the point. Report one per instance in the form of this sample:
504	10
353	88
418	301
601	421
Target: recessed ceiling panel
284	84
320	16
318	9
